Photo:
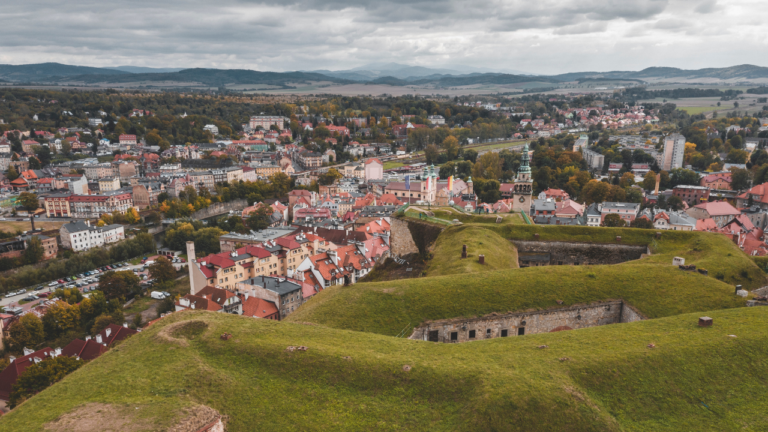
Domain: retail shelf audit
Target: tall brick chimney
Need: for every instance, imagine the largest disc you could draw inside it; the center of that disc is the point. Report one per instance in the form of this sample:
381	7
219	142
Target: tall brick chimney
190	265
658	182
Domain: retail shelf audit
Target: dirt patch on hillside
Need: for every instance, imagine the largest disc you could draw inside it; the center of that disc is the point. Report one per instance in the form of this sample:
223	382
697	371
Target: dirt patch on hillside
182	332
98	417
196	418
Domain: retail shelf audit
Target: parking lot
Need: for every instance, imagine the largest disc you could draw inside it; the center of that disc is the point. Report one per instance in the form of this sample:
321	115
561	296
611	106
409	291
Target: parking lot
85	282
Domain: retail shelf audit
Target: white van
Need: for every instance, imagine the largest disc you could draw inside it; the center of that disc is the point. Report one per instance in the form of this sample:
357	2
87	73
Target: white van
157	295
52	284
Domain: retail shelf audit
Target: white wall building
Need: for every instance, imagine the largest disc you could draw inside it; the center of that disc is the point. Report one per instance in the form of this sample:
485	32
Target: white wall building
672	155
81	236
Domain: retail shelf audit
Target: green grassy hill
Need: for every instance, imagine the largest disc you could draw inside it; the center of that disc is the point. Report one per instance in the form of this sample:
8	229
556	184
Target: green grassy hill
597	379
499	252
652	284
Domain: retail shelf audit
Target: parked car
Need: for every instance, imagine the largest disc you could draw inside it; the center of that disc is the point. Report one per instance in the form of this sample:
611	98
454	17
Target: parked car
53	284
10	294
61	280
43	295
157	295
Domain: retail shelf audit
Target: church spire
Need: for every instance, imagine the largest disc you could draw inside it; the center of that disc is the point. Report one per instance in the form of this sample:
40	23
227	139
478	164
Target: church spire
524	161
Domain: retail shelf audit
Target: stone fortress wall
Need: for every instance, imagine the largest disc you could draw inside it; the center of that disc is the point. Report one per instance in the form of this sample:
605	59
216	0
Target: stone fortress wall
523	323
543	253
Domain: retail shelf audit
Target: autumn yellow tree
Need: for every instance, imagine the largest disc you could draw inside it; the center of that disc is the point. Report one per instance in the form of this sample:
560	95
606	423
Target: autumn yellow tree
627	180
451	146
488	166
132	216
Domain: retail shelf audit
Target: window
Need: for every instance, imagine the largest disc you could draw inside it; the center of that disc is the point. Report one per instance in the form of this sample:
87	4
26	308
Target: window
454	336
487	332
471	334
521	331
504	333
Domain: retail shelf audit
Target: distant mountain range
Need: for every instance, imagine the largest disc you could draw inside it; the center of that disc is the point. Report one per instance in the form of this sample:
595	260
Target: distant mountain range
393	74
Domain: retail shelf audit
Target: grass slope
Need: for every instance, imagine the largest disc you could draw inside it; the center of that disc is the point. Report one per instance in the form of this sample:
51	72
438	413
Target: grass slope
499	252
651	284
610	381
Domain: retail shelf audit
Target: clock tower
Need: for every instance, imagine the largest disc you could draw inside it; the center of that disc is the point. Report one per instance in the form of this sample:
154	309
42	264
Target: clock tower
523	185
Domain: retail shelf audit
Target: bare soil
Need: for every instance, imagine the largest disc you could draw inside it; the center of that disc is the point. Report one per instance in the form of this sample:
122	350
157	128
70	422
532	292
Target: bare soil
99	417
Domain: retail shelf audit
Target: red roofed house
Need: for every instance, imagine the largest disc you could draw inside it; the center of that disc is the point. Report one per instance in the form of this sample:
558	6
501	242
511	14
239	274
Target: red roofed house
507	190
720	211
259	308
10	374
556	194
345	265
211	299
127	139
757	196
720	181
379	226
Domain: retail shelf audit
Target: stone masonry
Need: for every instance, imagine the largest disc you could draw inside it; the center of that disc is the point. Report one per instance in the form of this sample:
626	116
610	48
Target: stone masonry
524	323
538	253
401	241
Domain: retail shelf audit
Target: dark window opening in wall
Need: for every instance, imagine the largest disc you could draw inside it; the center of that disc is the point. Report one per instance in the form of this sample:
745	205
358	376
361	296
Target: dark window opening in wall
521	331
559	263
432	336
504	333
471	334
487	332
576	263
454	336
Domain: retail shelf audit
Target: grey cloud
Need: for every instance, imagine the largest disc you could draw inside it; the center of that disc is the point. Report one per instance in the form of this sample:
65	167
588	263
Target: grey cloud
335	34
707	6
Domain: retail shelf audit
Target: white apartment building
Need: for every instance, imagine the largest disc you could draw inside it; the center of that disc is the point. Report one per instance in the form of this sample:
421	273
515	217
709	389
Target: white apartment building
266	121
672	155
81	236
212	129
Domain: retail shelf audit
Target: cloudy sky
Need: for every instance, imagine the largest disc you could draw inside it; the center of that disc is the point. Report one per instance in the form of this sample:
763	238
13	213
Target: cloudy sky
542	36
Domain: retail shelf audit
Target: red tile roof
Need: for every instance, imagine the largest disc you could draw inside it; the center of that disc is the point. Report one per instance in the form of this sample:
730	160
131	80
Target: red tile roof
718	208
10	374
256	307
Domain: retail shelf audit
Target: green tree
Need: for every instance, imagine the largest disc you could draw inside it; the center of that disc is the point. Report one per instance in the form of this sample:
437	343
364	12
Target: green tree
739	179
447	170
595	191
614	220
34	251
737	156
281	183
627	180
119	285
330	177
451	146
488	166
649	181
643	223
431	153
26	332
470	155
29	201
260	218
12	174
39	376
675	203
162	270
682	176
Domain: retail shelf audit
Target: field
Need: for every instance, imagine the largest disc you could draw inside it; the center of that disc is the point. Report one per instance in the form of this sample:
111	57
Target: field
706	105
392	164
12	226
651	284
597	379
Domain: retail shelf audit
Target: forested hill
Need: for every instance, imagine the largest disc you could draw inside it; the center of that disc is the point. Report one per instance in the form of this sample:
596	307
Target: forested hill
44	71
211	77
745	71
